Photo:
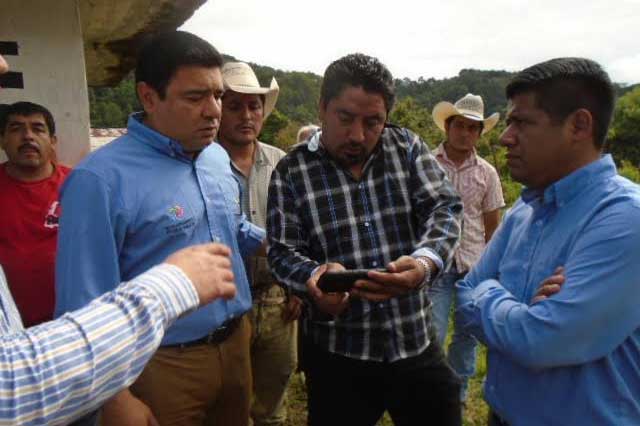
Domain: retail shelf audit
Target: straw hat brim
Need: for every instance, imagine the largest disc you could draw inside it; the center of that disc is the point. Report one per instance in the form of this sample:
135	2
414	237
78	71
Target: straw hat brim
444	110
270	94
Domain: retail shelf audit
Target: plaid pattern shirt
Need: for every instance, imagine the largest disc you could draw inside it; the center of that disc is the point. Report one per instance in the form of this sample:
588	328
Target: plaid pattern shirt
318	213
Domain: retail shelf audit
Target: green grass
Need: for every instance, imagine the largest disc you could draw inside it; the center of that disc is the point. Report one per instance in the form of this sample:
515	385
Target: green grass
475	413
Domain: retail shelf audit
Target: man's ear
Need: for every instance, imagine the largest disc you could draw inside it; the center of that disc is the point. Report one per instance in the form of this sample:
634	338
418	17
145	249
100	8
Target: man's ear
54	140
148	96
581	125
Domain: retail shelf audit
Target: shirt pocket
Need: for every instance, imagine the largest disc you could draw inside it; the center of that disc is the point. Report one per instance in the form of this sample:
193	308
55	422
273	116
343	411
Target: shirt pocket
173	214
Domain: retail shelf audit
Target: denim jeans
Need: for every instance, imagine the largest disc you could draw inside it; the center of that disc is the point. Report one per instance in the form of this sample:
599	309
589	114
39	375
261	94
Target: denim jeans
461	353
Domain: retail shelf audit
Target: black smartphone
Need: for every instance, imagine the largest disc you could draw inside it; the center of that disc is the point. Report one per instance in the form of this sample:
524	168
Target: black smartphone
342	281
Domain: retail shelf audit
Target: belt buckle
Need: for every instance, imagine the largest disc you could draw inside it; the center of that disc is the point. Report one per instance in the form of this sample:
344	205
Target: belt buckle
213	336
219	333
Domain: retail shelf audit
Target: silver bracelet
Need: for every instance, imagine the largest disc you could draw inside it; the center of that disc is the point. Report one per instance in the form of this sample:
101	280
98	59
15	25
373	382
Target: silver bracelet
427	271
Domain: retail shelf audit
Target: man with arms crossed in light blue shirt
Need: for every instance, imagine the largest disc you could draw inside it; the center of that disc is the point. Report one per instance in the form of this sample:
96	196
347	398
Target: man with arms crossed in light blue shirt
573	357
161	187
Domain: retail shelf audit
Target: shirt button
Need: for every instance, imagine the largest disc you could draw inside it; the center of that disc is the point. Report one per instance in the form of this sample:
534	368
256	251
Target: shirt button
366	224
374	263
380	305
539	222
216	239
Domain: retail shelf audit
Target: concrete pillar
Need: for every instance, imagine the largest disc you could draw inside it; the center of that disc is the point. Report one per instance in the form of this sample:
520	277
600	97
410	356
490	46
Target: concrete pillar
51	60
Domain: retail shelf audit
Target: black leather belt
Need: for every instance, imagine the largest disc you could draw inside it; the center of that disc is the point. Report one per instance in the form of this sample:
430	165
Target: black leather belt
214	337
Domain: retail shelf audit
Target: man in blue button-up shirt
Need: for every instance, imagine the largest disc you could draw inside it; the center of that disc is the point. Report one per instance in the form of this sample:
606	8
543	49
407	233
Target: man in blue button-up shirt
161	187
573	357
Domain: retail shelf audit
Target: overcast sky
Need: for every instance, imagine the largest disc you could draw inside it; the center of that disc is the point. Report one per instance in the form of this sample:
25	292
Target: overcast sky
424	37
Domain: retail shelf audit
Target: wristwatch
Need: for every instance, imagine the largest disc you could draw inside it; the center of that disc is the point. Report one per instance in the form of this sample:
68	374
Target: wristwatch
427	270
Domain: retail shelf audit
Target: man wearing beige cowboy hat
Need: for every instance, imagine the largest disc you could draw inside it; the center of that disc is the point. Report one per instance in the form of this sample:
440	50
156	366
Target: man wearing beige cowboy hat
478	184
245	106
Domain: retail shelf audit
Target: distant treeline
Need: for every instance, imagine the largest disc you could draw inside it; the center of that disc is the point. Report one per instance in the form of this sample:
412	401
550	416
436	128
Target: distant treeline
298	103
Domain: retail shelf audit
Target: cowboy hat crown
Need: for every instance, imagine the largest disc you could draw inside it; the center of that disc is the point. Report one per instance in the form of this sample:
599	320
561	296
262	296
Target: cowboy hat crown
239	77
470	106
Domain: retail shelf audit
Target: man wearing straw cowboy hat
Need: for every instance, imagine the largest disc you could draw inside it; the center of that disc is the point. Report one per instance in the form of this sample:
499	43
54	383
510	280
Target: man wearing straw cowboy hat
245	106
478	184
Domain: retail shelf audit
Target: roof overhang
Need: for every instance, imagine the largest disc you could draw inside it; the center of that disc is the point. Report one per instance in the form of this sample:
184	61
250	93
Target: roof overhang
114	30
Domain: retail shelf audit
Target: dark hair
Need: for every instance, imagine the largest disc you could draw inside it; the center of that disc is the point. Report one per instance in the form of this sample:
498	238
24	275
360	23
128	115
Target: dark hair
160	58
449	119
360	71
26	109
563	85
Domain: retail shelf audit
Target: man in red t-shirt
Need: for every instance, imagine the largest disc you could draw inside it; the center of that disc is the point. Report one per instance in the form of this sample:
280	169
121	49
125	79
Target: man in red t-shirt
29	183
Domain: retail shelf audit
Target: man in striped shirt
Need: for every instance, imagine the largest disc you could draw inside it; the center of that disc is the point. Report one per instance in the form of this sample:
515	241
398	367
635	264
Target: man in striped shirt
55	372
363	194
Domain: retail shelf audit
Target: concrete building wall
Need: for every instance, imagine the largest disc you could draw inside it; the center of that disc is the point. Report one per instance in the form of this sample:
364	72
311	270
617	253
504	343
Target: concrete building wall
51	59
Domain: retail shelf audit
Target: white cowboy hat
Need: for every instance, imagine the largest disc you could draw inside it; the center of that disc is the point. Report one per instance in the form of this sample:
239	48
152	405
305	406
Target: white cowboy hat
239	77
469	106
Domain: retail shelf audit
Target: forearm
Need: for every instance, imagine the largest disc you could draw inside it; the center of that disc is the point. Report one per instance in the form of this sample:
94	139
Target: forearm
73	364
288	253
438	209
291	268
441	232
599	289
251	239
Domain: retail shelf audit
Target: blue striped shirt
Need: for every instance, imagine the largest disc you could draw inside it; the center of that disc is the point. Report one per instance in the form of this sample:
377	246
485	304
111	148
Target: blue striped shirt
55	372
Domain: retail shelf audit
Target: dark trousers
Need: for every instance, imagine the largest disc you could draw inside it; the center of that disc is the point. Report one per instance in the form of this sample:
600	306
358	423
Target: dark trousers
422	390
495	420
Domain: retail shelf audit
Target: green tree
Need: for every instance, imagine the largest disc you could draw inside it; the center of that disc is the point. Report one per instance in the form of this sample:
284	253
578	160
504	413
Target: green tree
629	171
624	133
407	113
275	122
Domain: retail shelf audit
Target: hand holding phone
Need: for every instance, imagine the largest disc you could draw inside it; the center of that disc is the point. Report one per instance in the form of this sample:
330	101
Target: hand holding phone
342	281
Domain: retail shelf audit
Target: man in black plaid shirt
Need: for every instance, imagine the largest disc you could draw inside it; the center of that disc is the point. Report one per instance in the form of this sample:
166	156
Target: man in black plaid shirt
363	194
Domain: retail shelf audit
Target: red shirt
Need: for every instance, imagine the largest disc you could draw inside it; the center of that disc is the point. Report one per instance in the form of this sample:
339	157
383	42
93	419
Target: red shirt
29	213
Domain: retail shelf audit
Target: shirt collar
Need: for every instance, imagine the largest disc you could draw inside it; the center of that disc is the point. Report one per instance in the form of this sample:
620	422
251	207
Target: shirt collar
261	158
472	160
315	146
565	189
152	138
